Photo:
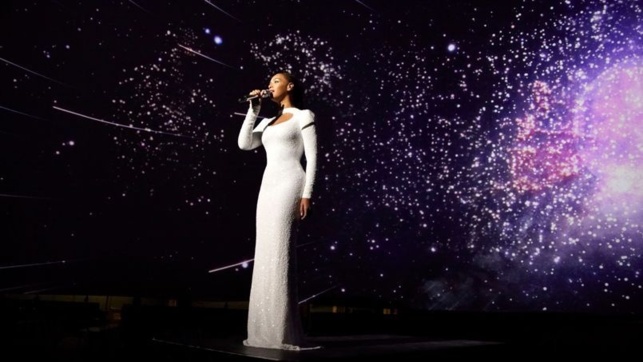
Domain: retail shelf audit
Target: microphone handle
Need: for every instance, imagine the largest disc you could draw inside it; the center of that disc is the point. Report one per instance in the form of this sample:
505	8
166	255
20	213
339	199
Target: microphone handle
263	94
247	98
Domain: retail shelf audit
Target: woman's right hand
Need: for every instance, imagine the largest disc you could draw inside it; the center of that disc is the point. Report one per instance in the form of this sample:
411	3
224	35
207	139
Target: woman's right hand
257	100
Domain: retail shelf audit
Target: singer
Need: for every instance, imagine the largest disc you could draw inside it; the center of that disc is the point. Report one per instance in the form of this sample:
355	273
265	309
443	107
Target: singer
283	202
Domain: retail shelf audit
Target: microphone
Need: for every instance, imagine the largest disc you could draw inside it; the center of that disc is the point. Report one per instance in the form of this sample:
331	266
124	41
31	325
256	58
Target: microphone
264	93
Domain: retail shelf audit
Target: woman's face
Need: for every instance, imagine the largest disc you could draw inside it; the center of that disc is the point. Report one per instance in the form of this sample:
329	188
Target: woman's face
279	86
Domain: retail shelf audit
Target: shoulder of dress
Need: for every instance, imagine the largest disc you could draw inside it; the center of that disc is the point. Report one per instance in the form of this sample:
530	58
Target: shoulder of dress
307	113
263	124
307	119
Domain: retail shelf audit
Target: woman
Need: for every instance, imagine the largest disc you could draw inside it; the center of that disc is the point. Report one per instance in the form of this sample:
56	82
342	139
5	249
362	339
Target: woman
284	200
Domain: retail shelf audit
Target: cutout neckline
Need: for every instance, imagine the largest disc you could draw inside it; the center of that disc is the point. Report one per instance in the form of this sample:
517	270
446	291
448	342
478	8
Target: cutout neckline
283	111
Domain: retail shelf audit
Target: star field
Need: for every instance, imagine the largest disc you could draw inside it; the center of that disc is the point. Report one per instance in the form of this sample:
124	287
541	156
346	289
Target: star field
473	155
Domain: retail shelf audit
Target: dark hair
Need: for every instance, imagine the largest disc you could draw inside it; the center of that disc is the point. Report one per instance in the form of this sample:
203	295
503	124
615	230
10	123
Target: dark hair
297	93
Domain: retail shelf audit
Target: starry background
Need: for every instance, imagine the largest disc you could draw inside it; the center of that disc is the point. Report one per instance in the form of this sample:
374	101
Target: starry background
474	155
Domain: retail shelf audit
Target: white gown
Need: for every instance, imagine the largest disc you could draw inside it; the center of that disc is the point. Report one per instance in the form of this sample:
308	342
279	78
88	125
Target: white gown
273	312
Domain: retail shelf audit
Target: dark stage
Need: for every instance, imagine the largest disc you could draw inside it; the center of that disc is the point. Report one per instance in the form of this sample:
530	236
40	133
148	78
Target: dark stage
72	329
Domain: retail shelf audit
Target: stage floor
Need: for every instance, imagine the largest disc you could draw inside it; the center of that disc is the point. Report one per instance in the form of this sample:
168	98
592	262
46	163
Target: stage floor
78	331
334	348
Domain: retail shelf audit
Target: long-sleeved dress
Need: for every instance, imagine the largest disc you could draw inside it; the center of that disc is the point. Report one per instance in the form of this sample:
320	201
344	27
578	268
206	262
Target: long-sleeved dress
273	311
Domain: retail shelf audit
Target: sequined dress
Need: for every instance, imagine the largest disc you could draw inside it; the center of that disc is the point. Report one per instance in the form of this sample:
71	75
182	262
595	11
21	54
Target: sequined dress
273	312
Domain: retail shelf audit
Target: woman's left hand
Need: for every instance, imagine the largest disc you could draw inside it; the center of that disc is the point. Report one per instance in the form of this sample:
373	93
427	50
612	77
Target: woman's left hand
304	206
